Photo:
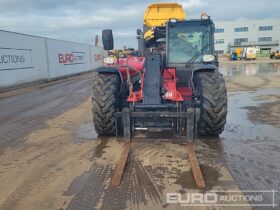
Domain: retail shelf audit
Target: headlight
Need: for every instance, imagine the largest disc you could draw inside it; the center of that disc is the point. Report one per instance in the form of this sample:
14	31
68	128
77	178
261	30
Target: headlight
109	60
208	58
173	20
204	16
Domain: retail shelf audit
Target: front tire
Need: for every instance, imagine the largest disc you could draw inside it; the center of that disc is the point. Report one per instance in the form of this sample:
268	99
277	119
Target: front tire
105	90
213	103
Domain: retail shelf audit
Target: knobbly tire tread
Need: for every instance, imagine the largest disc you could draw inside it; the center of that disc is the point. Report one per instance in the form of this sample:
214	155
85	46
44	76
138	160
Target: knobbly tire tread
213	97
105	89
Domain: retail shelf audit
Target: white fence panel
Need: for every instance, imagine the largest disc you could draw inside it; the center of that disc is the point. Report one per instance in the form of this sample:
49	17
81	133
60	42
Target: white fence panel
22	59
26	59
97	56
66	58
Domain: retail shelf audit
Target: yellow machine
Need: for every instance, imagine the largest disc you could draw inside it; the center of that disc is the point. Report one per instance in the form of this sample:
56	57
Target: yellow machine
238	51
117	53
275	55
156	15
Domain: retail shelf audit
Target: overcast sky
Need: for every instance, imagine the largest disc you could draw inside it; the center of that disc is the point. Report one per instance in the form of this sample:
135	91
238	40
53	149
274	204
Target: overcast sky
80	20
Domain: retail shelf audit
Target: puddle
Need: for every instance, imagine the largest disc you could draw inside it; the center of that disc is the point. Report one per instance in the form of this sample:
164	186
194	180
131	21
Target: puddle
99	150
85	132
186	179
251	145
239	126
249	69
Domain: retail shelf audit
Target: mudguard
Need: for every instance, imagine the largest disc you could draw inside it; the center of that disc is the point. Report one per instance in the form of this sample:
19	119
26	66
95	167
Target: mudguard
106	70
112	70
203	67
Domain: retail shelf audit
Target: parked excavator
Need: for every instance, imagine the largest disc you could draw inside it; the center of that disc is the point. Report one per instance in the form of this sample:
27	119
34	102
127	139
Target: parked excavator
172	84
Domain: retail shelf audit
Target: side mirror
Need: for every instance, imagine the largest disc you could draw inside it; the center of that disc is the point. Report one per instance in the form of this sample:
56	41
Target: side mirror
139	32
216	59
108	40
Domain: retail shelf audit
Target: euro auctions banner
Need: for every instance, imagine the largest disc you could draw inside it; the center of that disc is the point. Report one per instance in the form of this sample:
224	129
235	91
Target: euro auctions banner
97	56
26	58
22	59
12	59
72	58
66	58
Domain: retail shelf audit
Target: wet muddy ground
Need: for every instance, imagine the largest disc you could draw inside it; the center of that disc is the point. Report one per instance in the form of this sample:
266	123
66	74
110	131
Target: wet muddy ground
51	157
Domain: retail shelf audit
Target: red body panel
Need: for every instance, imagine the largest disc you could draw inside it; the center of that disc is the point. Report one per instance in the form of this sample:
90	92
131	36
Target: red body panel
169	85
185	92
137	95
135	62
172	92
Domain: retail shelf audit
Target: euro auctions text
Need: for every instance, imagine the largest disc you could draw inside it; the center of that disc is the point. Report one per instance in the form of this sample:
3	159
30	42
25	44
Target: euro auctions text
224	198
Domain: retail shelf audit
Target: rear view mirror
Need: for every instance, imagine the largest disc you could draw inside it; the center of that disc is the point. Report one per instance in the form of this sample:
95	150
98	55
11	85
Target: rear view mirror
108	40
139	32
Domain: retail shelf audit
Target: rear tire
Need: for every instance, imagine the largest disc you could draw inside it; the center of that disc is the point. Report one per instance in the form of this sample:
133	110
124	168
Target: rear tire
213	103
105	90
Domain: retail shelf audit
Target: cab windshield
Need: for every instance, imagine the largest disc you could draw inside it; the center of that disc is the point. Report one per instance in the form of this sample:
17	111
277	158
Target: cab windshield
188	42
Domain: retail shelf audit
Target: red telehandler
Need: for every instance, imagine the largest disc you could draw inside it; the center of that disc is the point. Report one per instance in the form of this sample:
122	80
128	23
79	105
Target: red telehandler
173	83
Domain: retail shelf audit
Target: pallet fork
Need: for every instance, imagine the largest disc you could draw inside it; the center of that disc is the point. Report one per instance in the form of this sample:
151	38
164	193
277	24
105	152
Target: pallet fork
190	115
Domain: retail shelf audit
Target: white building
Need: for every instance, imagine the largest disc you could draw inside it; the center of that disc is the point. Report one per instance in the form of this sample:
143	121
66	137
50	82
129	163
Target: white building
263	34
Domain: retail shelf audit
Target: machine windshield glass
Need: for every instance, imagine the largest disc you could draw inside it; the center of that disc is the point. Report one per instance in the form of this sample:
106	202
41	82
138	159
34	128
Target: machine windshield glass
185	42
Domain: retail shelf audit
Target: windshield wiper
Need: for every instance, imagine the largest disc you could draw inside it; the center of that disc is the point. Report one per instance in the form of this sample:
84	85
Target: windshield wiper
199	52
196	55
